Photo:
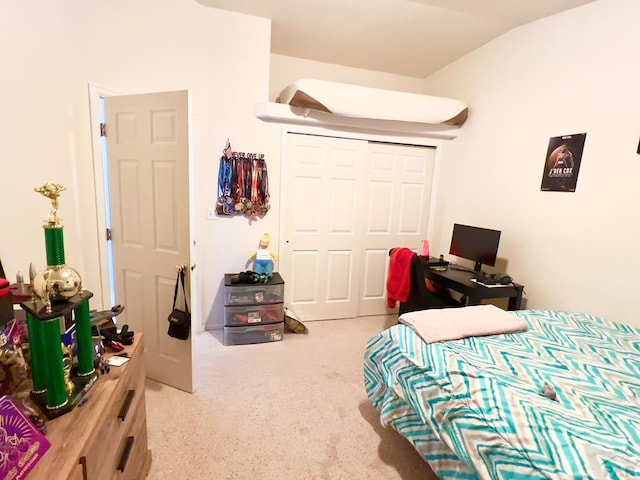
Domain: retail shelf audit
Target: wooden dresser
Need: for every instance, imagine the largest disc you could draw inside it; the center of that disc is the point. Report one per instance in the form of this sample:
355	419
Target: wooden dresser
106	438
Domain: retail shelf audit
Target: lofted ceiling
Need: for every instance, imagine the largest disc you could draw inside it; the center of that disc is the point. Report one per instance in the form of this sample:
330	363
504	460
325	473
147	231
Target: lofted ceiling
406	37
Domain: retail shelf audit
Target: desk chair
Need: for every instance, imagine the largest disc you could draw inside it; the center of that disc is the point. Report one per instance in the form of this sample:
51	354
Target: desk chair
420	297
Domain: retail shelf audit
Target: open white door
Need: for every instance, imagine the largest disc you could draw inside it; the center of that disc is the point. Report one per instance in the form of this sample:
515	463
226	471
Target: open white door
148	152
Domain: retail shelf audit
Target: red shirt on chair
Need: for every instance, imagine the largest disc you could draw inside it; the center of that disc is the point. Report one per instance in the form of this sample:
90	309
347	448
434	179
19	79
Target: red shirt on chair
399	280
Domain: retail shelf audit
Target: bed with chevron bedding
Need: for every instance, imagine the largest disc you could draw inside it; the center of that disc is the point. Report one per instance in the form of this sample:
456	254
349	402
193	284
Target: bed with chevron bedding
473	408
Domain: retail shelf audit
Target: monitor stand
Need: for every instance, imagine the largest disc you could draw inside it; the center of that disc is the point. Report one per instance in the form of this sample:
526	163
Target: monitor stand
477	267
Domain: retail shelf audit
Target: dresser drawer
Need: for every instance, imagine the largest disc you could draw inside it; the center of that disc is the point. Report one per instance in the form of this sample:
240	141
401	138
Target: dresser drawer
132	452
88	442
119	420
76	473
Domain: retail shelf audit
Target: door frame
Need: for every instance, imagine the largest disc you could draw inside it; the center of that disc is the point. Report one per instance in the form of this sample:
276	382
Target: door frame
437	144
95	93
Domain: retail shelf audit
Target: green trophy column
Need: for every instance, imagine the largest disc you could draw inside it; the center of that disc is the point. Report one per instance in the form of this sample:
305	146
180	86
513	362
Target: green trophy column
56	391
36	346
84	339
54	244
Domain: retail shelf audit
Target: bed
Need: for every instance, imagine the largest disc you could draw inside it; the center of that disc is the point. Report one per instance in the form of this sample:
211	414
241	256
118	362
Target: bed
473	408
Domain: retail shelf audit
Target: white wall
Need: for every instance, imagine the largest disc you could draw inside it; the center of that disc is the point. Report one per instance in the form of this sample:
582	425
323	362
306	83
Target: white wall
571	73
575	72
286	70
51	51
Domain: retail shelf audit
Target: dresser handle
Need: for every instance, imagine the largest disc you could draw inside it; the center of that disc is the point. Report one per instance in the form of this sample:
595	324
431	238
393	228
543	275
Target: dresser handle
126	404
125	455
83	462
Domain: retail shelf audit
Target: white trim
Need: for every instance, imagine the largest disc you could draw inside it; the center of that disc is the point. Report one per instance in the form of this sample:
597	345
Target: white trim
95	92
435	183
194	193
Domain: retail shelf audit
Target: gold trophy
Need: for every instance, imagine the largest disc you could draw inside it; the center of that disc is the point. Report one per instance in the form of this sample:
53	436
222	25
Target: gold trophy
61	374
58	282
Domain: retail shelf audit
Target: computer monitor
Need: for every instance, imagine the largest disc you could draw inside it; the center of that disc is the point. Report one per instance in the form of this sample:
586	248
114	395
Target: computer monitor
474	243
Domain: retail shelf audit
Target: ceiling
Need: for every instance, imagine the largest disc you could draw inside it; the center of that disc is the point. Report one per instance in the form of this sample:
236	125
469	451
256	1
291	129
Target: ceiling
406	37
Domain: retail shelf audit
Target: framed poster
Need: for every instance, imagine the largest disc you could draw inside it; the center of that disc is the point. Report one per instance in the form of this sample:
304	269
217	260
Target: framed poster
562	163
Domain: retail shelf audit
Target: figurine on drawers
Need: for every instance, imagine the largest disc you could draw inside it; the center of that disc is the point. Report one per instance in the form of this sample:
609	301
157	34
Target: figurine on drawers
263	258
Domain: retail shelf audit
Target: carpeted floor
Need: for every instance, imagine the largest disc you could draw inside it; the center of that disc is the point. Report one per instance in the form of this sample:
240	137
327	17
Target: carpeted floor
290	410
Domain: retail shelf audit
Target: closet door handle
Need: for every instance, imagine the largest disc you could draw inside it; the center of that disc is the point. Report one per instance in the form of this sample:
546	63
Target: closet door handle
122	464
126	404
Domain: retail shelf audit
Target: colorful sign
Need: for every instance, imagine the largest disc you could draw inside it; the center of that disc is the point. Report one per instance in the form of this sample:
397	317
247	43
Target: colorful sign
21	443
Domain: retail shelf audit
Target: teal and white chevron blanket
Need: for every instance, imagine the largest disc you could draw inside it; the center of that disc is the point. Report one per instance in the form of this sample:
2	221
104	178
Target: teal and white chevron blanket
473	408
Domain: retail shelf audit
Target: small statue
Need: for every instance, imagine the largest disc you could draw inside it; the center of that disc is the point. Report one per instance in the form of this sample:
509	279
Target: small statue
263	257
52	190
58	282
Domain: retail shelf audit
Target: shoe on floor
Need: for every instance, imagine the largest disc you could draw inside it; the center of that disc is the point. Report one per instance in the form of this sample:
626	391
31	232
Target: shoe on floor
293	323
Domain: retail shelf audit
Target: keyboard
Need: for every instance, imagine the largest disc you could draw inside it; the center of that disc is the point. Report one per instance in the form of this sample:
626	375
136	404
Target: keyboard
436	262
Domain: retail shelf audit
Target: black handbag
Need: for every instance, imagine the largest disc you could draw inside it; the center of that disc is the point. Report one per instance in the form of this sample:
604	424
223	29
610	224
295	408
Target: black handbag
179	320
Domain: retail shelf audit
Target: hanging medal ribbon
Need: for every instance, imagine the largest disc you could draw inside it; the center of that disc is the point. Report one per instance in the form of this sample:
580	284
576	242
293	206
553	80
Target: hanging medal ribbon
243	185
225	180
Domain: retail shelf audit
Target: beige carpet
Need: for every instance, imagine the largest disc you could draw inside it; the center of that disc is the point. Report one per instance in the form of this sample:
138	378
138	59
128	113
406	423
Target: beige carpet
294	409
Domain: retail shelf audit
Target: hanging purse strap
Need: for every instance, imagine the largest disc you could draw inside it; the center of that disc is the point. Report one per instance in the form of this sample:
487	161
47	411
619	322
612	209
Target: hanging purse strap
180	279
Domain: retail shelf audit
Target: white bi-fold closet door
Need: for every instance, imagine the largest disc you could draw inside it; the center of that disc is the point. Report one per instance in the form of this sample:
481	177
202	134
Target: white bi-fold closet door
345	203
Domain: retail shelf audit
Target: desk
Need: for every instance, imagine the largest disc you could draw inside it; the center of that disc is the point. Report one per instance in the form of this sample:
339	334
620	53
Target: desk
460	281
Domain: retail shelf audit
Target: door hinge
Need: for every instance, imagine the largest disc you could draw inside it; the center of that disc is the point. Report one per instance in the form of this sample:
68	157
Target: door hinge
103	130
108	234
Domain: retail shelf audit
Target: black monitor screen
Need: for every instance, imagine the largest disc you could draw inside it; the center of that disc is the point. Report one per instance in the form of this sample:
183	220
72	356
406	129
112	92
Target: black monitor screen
475	243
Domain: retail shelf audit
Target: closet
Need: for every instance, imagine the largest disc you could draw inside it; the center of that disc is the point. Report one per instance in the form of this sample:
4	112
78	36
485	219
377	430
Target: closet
345	203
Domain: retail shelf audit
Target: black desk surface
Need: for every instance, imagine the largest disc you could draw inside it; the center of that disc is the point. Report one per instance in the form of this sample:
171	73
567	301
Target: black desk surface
460	281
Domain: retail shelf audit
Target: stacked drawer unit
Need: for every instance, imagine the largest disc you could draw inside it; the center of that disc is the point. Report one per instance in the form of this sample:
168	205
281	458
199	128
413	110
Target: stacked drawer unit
253	313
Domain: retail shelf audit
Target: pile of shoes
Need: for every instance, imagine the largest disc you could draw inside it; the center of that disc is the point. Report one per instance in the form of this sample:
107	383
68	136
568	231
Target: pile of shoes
115	340
250	277
104	326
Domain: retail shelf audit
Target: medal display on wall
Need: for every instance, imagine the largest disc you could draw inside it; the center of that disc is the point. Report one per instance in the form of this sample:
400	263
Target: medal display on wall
243	184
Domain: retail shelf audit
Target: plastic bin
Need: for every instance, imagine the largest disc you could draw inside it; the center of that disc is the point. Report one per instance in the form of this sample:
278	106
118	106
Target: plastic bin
246	315
251	294
253	334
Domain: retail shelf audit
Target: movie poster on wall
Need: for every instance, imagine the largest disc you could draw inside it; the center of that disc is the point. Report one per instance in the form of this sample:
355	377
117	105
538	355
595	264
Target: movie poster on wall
563	163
